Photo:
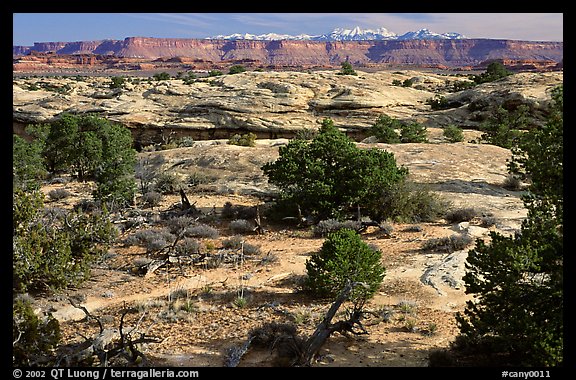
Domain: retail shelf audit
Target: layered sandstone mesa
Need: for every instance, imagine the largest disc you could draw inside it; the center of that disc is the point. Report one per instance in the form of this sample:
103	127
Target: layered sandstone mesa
442	53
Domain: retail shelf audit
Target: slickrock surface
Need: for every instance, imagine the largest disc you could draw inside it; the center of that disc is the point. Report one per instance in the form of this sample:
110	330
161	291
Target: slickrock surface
274	104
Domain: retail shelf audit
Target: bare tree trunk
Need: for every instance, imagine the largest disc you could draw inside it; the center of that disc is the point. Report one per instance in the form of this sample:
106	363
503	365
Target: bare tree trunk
259	229
324	329
184	200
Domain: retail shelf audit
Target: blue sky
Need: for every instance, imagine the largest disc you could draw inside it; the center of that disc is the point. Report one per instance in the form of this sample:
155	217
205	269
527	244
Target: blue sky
43	27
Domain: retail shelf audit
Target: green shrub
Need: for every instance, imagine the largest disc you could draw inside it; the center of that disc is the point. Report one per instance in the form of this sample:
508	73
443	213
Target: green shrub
505	128
118	82
407	202
539	154
61	89
465	214
161	76
385	129
408	82
167	183
247	139
461	85
453	134
50	254
439	102
494	71
27	163
185	141
344	257
413	133
34	338
236	69
190	78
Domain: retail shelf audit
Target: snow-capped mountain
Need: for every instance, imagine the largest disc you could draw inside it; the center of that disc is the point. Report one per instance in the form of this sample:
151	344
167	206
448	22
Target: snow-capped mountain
425	34
342	34
356	34
261	37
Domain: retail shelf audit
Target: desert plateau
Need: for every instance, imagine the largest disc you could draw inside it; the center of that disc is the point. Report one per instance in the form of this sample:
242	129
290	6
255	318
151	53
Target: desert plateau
191	309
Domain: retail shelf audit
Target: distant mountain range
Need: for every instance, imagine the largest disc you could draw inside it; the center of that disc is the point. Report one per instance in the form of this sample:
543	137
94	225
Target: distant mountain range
363	47
342	34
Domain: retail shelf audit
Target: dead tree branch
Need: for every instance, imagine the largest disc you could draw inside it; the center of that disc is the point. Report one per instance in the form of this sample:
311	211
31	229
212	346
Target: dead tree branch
110	344
88	315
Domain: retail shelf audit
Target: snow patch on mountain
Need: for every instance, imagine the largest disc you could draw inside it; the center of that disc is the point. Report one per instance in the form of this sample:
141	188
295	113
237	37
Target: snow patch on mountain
343	34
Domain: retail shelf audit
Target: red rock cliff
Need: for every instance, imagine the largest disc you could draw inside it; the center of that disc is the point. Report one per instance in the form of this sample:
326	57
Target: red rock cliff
450	53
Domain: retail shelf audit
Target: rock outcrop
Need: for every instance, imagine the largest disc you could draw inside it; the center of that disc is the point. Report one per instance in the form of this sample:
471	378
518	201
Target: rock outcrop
273	104
289	53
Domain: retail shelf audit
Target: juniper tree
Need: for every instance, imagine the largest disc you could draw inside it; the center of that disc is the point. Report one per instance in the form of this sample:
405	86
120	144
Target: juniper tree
330	176
90	147
343	258
517	280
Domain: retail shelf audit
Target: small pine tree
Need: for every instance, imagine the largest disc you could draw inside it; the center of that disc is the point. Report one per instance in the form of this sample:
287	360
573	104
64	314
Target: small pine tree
115	174
408	82
504	128
90	147
495	70
345	257
413	133
347	69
